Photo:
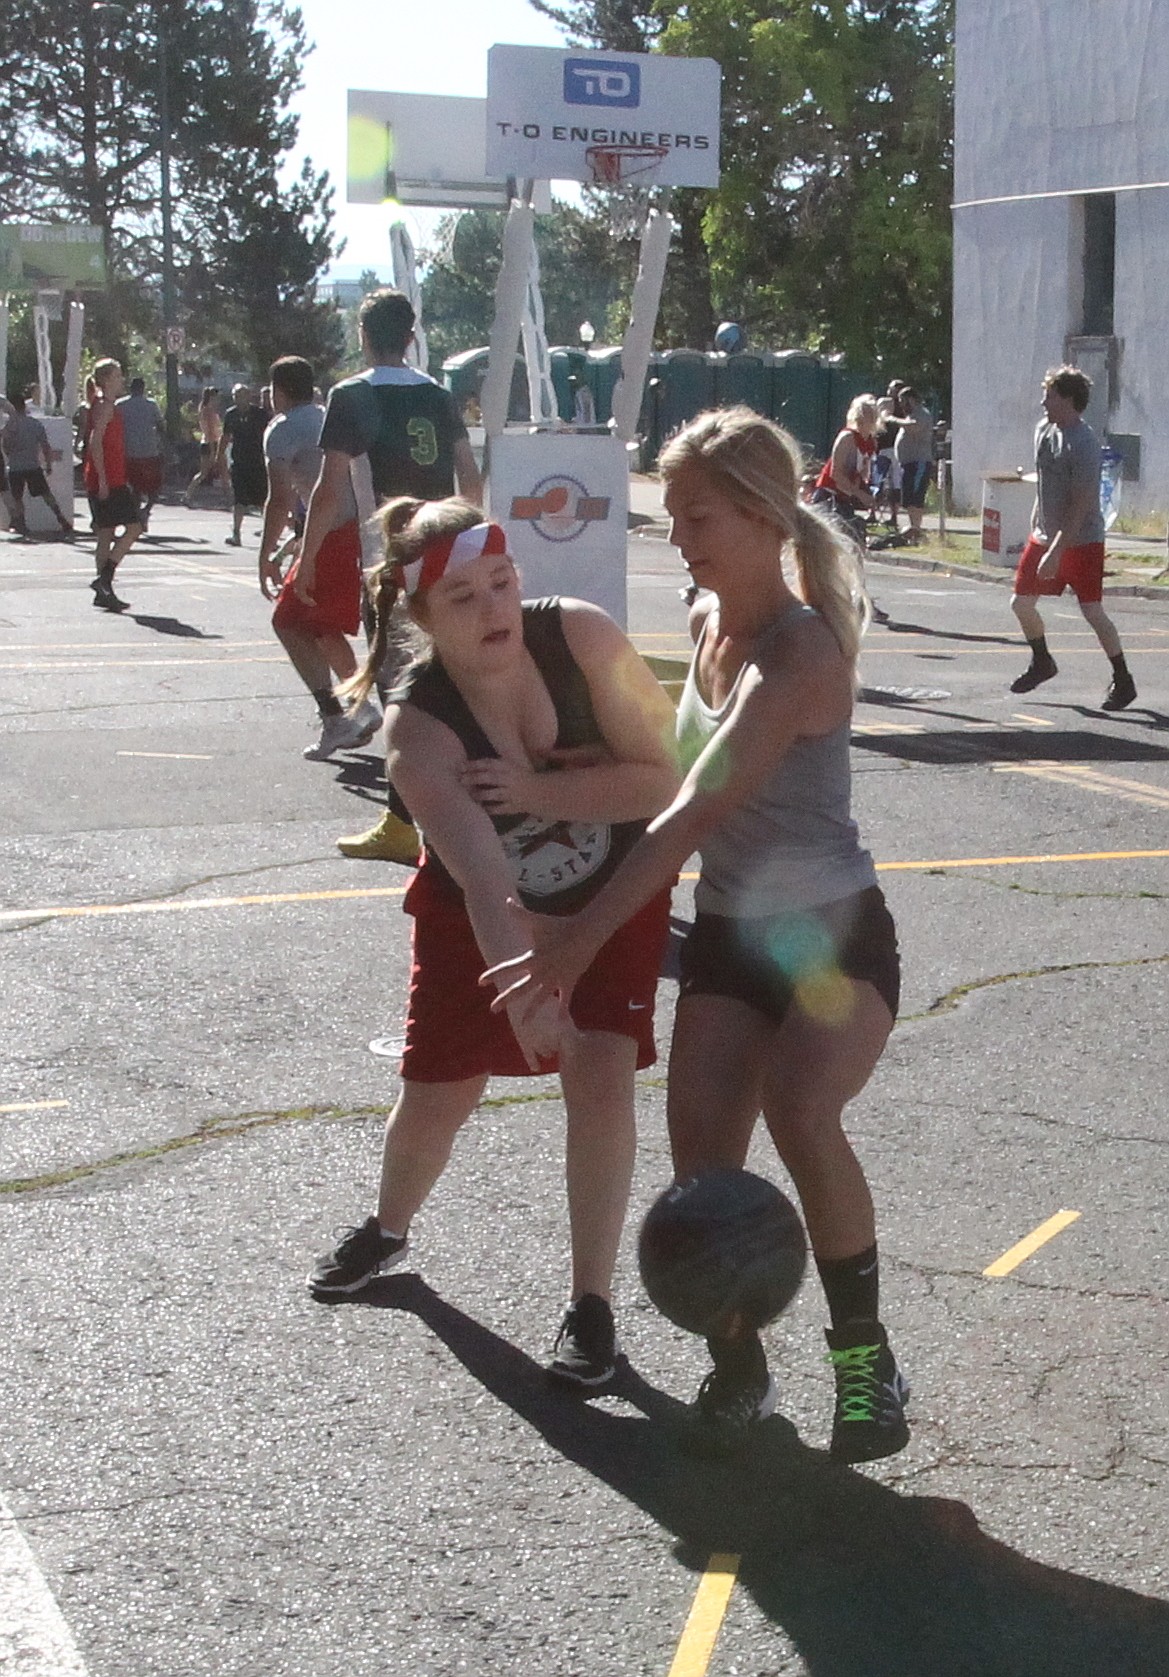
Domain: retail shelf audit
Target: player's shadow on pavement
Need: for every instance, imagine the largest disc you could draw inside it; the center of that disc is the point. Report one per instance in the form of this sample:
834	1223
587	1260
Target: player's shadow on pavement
364	776
867	1581
1010	745
172	626
898	628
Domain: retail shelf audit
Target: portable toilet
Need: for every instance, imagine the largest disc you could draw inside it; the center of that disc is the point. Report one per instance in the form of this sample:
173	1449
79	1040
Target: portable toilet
463	375
687	378
742	379
570	369
800	386
604	369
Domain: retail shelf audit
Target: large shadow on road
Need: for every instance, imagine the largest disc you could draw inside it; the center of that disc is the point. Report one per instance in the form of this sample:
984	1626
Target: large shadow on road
1010	745
868	1582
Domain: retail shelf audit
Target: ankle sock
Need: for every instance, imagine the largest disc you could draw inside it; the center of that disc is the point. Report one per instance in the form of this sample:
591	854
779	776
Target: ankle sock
388	1234
327	702
851	1286
1119	668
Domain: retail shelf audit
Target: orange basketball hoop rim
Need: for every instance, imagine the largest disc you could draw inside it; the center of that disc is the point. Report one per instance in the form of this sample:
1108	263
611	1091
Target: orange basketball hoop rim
614	165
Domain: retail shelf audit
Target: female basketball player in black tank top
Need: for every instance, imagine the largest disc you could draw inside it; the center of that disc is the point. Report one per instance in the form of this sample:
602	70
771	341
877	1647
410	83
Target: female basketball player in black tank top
531	747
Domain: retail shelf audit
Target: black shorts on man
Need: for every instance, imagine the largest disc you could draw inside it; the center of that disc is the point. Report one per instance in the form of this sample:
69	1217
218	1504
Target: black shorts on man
120	508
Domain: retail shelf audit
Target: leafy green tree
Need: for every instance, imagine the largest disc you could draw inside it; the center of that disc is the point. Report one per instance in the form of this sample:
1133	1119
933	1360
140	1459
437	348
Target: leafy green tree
583	275
81	91
830	228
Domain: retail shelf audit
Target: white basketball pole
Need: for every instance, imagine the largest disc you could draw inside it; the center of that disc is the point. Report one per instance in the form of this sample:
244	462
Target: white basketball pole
40	327
405	265
510	292
3	343
541	394
637	344
71	377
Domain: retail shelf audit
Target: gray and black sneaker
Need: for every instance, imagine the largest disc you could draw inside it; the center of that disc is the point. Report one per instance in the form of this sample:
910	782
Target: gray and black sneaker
359	1256
586	1351
871	1394
738	1393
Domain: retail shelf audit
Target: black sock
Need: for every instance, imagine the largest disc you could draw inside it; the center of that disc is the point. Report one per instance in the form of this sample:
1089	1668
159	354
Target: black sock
327	702
851	1286
1039	652
1119	668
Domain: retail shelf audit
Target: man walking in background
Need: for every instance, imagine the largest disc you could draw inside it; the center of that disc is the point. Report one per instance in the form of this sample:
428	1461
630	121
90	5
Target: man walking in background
244	424
29	460
145	444
312	632
1066	546
391	430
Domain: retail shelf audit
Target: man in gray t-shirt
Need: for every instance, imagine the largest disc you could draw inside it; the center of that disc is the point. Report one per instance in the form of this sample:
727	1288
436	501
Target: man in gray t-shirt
145	433
1066	546
312	623
29	459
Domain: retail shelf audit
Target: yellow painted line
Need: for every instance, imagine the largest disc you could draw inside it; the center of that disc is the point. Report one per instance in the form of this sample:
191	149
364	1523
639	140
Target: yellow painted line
1090	780
171	756
1036	721
706	1617
124	646
888	728
1038	1237
140	663
82	911
93	910
31	1106
1023	861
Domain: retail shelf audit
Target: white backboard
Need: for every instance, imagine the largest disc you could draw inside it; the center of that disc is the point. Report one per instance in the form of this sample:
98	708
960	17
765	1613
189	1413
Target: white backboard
422	148
548	107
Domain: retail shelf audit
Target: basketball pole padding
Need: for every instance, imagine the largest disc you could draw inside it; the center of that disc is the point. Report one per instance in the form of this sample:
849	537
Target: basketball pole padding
510	292
637	344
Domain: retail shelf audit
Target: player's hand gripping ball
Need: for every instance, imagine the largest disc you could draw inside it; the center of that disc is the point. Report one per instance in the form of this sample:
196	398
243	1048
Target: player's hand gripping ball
722	1252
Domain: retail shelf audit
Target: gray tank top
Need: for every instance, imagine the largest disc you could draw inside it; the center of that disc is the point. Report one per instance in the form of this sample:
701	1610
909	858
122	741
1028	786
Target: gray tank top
794	844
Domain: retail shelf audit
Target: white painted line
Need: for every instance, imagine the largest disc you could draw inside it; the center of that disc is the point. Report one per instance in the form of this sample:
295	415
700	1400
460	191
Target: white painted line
34	1638
31	1106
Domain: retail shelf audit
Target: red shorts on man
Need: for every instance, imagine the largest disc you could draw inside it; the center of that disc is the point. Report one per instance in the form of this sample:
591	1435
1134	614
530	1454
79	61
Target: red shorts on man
144	475
1080	568
451	1032
336	588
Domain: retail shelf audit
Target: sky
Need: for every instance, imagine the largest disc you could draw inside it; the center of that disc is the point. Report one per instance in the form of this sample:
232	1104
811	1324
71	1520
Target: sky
403	46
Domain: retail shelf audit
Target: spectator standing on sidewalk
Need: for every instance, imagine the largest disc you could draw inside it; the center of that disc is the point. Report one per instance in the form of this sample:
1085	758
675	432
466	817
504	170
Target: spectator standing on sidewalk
914	453
29	460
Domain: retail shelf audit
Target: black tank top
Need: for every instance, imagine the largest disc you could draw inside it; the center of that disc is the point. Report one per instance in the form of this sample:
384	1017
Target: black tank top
558	865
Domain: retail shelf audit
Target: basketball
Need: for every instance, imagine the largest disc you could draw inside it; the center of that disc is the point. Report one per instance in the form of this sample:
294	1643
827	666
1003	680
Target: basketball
724	1245
730	338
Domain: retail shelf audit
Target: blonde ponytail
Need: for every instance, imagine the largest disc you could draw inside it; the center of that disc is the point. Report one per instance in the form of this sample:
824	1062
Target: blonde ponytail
758	466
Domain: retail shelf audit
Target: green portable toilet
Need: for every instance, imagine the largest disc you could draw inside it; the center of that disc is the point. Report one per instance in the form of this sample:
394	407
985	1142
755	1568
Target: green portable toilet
687	388
742	379
800	389
604	370
569	367
463	375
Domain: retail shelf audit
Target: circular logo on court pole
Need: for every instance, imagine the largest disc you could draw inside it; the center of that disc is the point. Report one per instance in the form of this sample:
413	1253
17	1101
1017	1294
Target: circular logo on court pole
559	507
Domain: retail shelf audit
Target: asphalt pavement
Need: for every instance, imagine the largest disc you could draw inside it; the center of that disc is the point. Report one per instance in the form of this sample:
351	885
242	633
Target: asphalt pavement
208	1475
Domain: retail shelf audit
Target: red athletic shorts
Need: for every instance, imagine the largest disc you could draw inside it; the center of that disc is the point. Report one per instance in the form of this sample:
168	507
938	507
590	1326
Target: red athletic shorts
336	589
1080	568
145	476
451	1032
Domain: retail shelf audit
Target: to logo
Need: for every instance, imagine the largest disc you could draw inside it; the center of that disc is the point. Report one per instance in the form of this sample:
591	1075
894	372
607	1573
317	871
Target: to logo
602	81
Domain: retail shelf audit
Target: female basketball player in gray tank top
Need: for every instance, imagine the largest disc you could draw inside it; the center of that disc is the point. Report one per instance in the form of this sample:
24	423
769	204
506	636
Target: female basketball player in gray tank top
789	981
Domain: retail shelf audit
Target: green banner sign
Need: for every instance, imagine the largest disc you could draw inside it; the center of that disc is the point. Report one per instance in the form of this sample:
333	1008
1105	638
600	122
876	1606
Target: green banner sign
51	258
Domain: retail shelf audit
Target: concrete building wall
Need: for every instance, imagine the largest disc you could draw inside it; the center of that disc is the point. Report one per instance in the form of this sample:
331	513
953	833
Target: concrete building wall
1056	99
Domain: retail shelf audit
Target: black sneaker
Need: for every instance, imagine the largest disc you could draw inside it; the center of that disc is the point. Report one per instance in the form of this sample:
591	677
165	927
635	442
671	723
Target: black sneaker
359	1256
738	1393
1122	692
871	1394
104	596
1038	671
585	1352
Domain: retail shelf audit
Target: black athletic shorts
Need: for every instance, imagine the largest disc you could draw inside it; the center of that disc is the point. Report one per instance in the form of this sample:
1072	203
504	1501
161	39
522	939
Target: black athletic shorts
249	488
120	507
33	480
767	962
